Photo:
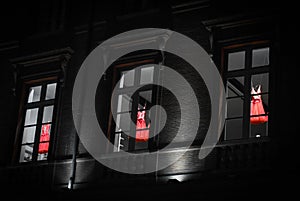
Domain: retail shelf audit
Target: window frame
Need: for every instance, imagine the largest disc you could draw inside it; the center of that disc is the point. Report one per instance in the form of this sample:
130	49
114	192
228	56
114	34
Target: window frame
41	104
129	65
44	66
247	72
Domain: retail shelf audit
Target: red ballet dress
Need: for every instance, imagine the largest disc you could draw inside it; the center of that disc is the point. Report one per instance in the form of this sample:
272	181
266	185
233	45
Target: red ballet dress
141	135
257	108
44	139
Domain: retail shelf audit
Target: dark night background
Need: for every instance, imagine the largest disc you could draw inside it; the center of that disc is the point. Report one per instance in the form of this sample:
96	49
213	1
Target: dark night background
33	27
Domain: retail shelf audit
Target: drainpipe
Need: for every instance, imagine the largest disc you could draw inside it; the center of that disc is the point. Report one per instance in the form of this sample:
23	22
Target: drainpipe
76	137
74	163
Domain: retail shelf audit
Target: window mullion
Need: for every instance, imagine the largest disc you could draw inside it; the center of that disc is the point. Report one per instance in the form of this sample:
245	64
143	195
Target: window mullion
246	111
39	124
156	95
132	129
37	135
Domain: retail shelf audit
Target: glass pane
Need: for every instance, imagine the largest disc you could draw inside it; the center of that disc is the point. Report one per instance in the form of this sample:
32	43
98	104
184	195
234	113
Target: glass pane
262	80
259	130
28	135
43	156
265	101
50	93
127	79
26	153
34	94
147	75
235	87
236	60
141	145
47	115
31	116
235	107
233	129
123	122
44	142
124	103
145	98
45	133
260	57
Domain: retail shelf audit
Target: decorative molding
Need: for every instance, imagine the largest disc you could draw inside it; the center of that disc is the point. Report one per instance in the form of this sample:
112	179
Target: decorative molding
62	56
9	45
190	6
226	22
45	57
84	29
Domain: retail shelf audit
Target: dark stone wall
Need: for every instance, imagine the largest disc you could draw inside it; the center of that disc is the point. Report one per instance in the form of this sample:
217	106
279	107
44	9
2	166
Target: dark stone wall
82	26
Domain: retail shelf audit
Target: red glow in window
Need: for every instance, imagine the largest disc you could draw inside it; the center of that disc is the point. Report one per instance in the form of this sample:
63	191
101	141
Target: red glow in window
257	108
142	129
44	139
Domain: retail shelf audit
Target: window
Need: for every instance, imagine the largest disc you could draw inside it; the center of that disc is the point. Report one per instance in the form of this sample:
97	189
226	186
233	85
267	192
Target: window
247	69
39	107
135	107
38	80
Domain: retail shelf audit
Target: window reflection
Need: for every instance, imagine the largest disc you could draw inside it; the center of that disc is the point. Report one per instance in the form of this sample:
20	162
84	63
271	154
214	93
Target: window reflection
50	93
260	57
47	115
34	94
31	116
127	79
147	75
236	60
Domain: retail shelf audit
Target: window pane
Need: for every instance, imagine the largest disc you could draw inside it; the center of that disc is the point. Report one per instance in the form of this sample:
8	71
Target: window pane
124	103
147	75
259	130
265	101
127	79
236	60
233	129
260	57
140	145
50	93
43	156
47	115
31	116
235	87
44	142
26	153
34	94
262	80
145	98
45	133
234	107
123	122
28	135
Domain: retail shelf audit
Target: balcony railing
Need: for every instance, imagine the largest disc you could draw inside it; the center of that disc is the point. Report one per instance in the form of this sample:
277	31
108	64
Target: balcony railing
241	155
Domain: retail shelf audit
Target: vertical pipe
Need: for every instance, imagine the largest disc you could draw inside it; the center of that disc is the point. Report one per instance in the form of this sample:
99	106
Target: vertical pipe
76	137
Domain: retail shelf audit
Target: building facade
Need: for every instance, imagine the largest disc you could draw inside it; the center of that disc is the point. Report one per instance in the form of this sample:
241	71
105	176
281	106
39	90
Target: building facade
42	51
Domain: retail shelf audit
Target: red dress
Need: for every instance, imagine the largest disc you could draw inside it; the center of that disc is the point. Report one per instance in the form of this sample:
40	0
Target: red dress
257	108
44	139
141	135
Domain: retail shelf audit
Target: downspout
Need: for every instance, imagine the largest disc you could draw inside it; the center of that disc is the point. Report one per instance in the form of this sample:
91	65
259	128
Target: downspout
74	162
76	137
